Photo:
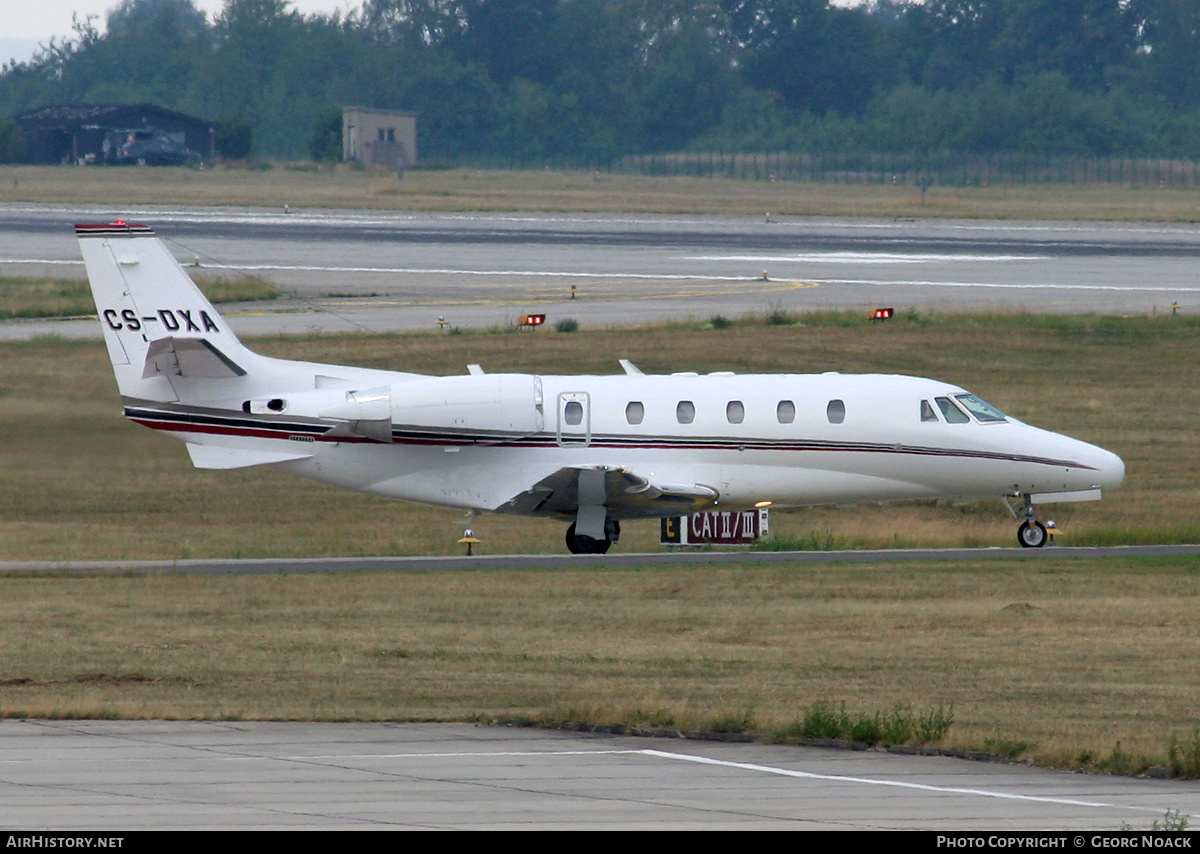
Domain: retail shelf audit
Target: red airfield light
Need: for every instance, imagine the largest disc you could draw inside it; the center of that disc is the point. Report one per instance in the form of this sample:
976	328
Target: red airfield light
883	313
531	320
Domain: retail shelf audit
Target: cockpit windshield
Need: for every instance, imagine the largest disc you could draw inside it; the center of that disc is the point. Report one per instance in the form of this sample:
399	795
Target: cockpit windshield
950	412
981	409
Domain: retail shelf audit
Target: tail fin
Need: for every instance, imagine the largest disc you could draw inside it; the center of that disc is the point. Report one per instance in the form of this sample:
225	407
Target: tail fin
157	324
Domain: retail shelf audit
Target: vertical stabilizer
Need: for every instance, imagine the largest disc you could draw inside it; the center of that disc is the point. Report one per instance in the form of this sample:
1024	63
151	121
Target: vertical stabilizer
156	322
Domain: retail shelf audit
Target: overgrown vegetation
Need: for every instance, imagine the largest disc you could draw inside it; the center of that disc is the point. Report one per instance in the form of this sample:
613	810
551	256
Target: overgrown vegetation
1183	755
1172	822
900	725
813	541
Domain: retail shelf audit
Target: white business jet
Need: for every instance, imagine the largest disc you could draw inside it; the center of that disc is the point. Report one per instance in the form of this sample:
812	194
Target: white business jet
589	450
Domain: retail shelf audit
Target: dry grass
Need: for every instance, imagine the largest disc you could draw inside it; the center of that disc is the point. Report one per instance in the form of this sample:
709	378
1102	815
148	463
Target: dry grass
1067	659
546	190
84	484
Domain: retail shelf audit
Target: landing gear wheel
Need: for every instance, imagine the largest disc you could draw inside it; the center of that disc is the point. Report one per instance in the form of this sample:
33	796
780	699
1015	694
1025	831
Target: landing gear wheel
1032	536
578	544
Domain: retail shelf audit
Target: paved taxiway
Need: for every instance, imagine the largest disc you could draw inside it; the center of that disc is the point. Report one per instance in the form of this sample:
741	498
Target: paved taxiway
101	775
384	271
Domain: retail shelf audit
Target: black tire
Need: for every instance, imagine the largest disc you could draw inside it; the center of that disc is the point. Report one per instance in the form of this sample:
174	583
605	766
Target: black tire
577	544
1032	536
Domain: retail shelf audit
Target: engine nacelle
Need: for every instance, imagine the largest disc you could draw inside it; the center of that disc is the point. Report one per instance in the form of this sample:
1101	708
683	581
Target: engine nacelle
491	407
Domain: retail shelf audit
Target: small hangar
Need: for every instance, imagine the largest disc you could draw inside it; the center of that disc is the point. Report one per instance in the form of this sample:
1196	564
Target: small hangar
82	133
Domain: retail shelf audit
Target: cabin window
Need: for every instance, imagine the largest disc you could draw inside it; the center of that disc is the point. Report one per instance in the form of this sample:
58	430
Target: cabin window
981	409
952	413
785	412
927	413
685	412
573	413
635	412
735	412
836	411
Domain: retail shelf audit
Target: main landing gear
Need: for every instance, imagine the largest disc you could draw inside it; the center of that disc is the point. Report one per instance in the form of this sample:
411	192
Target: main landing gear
578	544
1032	533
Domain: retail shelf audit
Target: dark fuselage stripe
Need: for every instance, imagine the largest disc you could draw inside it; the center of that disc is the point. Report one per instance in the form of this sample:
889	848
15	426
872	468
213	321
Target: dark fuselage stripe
252	428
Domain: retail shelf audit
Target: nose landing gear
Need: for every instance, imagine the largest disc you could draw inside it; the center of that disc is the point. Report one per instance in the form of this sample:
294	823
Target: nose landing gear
1032	533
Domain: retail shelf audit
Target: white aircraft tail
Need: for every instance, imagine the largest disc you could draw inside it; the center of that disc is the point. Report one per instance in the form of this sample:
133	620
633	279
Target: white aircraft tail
161	331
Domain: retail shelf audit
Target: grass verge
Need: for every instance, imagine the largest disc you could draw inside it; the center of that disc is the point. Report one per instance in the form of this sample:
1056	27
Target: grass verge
584	191
48	297
1072	663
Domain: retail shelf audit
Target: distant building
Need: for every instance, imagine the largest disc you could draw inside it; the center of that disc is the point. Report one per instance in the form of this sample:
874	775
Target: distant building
379	137
85	133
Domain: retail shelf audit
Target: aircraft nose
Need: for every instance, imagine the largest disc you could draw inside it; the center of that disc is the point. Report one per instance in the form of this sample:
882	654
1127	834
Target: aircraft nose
1110	469
1102	469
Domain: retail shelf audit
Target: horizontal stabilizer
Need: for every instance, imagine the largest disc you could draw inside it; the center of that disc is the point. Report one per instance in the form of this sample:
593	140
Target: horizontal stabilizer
217	457
193	358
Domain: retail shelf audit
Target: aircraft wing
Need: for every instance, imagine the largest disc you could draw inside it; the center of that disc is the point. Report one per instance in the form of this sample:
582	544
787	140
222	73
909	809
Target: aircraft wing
624	494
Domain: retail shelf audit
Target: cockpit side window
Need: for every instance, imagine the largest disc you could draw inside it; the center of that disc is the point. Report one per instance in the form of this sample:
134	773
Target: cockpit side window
927	413
981	409
952	413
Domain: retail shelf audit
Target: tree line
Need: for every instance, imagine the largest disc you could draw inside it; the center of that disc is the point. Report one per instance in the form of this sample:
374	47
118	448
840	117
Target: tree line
589	81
